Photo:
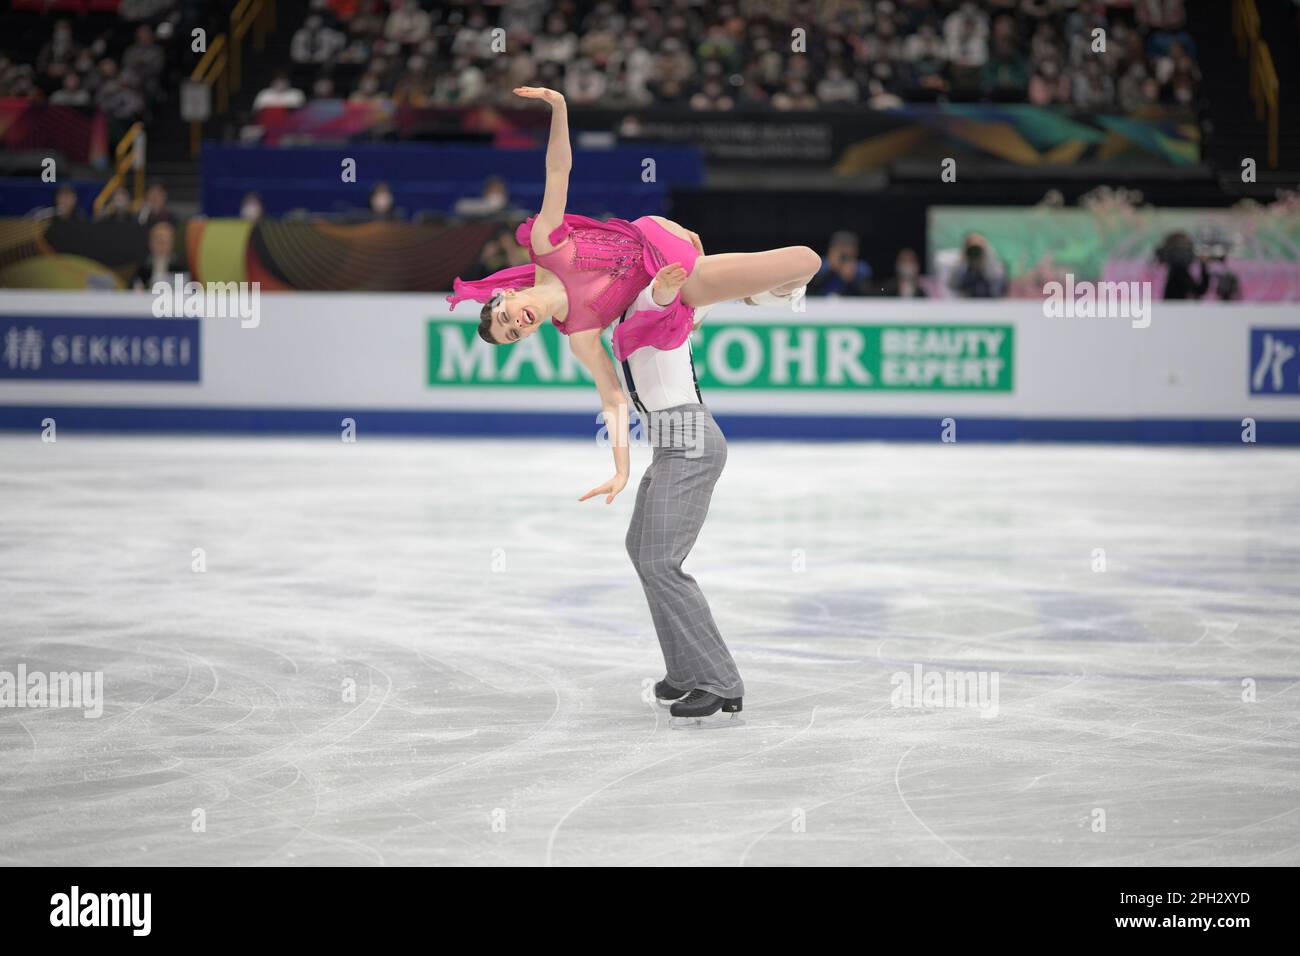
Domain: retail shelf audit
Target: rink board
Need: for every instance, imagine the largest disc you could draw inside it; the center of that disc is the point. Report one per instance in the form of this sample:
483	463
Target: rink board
841	369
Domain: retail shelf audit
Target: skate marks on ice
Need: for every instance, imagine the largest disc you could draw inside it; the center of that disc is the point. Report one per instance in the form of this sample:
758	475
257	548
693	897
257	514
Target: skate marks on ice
427	652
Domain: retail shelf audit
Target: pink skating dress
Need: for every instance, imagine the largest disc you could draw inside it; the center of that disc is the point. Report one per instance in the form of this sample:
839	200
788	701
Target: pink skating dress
603	267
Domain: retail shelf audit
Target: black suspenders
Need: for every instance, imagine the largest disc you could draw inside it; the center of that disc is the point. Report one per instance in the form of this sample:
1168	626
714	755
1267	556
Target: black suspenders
695	380
631	387
631	382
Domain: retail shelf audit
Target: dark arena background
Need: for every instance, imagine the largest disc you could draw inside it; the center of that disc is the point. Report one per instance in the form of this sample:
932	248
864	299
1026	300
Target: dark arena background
293	566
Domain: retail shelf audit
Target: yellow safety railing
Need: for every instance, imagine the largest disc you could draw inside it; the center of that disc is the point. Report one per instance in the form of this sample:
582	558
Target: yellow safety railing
1245	24
1263	76
221	69
129	155
255	15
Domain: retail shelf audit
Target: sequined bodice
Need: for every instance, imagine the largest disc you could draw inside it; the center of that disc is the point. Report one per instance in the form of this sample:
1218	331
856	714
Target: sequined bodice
602	267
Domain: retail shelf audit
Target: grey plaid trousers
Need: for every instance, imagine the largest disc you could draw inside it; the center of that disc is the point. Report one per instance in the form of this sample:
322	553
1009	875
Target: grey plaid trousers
671	505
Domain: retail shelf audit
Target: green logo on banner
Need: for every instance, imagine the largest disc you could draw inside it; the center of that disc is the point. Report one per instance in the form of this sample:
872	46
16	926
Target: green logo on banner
800	355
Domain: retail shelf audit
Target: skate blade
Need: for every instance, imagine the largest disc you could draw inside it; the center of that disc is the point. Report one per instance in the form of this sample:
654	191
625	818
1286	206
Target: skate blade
718	721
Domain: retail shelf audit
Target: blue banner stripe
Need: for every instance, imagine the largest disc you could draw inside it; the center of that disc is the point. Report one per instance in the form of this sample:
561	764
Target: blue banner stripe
151	419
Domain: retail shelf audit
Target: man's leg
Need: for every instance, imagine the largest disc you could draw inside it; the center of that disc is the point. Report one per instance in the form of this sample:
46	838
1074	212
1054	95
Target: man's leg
675	674
675	505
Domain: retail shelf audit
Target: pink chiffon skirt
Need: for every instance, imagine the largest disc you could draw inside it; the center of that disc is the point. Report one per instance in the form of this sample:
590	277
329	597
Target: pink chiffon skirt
670	326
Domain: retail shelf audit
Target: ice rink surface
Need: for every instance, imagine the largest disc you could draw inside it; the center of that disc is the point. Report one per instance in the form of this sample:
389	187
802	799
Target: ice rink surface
427	652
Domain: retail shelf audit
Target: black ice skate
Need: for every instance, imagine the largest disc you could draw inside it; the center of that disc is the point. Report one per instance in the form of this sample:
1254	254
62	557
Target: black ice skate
666	693
699	704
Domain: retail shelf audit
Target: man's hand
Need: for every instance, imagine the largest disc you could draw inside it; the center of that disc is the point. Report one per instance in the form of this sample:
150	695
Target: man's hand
610	489
667	283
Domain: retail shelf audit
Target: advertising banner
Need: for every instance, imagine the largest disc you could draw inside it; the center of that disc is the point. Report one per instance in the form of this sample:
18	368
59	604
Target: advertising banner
1275	367
99	348
842	369
788	355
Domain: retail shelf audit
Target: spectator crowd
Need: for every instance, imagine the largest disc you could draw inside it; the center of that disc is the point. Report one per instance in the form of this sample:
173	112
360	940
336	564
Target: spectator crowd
117	63
693	54
748	53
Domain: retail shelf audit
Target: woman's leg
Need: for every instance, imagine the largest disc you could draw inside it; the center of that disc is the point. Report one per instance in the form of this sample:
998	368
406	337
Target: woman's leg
673	228
736	275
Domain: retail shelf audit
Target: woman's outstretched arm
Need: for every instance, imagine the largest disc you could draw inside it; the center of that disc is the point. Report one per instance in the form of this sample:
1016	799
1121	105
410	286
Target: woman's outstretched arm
590	350
559	161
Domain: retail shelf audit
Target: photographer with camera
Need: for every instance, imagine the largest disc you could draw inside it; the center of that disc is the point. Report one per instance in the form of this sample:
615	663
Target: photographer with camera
979	274
1178	253
842	272
1213	251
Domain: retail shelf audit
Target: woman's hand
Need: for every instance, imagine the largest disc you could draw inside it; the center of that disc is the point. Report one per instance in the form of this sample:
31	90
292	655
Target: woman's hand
552	97
667	283
610	489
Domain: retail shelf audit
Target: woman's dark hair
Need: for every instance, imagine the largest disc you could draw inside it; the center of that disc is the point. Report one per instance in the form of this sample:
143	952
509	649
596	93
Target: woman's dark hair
485	320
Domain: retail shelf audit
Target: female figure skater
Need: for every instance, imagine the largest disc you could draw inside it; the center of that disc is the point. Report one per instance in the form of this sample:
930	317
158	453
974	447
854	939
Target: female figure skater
586	273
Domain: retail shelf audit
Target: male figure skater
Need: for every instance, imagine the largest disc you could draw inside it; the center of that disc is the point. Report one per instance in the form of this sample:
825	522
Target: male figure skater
672	502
